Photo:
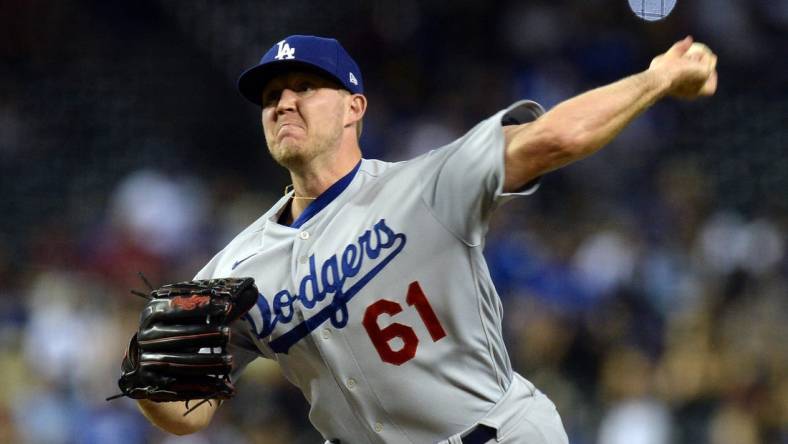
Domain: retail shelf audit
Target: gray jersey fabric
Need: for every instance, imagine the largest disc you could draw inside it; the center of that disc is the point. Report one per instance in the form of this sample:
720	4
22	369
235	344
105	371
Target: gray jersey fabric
380	308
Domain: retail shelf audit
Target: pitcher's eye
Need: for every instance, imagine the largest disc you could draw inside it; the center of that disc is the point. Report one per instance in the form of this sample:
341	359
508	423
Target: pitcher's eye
270	98
304	86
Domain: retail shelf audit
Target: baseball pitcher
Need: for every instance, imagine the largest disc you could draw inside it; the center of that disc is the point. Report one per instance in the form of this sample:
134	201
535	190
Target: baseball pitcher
372	291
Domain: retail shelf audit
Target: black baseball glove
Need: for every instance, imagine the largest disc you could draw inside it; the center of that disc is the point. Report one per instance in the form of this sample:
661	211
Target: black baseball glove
180	351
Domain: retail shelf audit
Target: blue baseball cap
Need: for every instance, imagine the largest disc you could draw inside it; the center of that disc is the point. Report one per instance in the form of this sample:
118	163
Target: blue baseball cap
324	55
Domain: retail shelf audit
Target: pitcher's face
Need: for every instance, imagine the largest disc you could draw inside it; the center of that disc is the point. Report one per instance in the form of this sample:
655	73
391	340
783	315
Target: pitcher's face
302	116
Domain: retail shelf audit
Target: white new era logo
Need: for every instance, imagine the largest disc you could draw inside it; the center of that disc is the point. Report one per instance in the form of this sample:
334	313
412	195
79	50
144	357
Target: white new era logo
353	79
285	51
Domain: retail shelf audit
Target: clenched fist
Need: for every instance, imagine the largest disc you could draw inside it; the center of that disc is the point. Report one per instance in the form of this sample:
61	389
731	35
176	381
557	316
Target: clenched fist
690	69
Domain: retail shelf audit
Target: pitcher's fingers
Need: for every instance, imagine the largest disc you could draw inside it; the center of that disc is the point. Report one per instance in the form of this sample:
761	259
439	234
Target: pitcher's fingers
710	87
695	56
681	47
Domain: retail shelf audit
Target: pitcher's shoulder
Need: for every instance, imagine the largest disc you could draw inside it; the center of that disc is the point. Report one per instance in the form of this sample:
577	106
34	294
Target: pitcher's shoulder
382	168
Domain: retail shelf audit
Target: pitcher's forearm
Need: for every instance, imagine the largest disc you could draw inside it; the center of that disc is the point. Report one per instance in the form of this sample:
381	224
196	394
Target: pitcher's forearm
168	416
592	119
578	127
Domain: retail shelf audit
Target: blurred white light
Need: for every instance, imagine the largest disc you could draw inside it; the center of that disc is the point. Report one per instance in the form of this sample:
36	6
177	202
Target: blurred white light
652	10
636	422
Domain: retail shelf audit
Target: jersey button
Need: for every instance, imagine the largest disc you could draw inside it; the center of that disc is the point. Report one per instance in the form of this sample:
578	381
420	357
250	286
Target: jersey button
378	427
303	260
326	333
351	383
304	235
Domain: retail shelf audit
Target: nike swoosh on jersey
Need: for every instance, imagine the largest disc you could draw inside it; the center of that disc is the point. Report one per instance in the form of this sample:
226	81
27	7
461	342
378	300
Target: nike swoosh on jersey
237	263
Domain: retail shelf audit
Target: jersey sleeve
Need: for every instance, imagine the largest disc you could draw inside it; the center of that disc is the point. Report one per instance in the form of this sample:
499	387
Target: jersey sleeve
464	180
242	348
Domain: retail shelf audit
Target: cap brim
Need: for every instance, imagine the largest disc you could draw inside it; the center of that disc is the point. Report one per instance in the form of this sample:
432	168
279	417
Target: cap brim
253	80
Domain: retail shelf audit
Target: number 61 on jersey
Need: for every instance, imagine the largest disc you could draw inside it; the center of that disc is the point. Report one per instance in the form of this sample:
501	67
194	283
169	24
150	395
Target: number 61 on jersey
381	337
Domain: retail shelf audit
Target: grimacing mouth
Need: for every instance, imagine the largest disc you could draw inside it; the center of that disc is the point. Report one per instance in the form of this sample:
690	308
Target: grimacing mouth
280	129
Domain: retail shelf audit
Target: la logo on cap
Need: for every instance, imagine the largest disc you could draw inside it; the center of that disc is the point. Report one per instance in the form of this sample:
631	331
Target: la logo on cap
284	51
353	79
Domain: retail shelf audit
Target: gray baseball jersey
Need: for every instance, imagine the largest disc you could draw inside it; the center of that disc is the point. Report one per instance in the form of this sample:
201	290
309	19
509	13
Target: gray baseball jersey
377	301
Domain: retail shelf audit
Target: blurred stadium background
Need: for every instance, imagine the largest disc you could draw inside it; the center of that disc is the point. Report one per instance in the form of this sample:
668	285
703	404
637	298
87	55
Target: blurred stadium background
646	288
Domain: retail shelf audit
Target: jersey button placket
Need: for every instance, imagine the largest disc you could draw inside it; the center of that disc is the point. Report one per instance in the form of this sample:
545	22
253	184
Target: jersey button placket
299	251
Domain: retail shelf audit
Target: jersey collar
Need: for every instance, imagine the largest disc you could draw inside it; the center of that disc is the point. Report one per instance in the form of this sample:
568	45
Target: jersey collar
326	198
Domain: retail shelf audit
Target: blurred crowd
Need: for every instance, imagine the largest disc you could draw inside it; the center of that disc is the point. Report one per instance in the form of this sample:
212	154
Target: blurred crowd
645	289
